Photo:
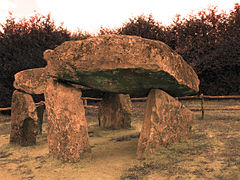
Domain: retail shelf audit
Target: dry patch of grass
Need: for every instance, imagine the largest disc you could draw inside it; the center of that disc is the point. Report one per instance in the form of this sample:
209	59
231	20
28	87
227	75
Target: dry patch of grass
212	152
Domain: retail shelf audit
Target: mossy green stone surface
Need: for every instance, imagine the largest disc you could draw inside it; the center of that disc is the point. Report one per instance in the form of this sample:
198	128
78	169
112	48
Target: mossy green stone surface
136	82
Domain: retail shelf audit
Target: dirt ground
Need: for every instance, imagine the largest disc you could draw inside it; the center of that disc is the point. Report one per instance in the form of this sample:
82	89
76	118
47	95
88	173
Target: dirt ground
212	151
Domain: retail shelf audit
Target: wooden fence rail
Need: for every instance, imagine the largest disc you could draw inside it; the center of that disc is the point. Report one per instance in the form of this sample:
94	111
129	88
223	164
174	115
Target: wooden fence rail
5	109
201	97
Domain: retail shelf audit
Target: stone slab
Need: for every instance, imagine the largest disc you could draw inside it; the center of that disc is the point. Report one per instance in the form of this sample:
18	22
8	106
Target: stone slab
24	119
115	111
166	121
32	81
122	64
68	138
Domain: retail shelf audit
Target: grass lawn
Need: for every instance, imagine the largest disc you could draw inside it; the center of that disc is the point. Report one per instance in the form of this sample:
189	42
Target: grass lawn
212	151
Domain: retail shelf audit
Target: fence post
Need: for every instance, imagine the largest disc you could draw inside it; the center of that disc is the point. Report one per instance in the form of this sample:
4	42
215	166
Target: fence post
202	105
85	102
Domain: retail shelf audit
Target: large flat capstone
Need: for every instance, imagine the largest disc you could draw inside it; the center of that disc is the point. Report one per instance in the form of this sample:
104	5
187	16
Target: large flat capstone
122	64
32	81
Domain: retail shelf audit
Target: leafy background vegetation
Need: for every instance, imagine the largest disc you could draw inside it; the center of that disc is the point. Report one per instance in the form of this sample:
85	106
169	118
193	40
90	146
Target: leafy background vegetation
208	41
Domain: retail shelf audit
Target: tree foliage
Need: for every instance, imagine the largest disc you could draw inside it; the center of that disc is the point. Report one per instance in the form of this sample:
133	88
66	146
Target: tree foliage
22	44
208	41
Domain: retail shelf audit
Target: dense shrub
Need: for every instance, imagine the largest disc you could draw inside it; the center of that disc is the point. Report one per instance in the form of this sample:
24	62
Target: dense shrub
143	26
80	35
208	41
22	45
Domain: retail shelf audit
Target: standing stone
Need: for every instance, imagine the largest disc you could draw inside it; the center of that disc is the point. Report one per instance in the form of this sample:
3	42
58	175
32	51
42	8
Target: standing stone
40	110
115	111
166	121
23	119
68	138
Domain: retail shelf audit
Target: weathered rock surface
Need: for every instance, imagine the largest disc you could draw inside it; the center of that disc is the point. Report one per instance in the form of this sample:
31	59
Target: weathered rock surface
166	121
32	81
68	138
122	64
23	119
40	108
115	111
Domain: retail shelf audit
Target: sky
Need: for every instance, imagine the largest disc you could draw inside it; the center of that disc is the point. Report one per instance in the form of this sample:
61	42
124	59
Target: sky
91	15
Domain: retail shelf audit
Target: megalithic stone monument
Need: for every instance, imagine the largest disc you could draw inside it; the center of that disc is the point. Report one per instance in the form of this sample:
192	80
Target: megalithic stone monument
130	65
117	66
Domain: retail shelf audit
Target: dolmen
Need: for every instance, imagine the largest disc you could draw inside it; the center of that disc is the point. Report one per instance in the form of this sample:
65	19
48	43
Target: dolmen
117	66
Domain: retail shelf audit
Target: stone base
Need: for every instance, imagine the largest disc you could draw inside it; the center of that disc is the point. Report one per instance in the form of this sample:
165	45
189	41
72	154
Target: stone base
115	111
166	121
23	119
68	138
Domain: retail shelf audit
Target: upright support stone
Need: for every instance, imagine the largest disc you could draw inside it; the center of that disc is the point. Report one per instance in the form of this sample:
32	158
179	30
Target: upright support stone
40	110
115	111
166	121
23	119
68	138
